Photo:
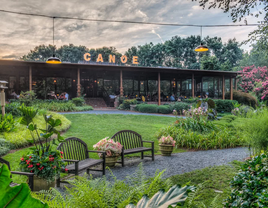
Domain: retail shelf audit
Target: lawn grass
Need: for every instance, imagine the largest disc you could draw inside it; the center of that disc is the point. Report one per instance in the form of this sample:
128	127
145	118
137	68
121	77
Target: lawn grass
213	179
92	128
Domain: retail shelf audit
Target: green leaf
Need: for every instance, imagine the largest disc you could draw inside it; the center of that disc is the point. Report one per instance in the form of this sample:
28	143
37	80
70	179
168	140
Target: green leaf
17	196
32	127
175	195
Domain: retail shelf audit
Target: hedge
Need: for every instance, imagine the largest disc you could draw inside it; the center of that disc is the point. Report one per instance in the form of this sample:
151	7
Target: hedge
165	109
225	105
243	98
147	108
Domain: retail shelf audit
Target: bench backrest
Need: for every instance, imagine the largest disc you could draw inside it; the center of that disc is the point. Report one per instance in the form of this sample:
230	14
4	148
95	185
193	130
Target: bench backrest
74	149
129	139
5	162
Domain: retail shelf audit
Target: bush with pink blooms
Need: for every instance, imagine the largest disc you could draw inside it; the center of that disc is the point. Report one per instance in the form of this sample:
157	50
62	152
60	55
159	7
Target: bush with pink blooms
167	140
111	147
255	80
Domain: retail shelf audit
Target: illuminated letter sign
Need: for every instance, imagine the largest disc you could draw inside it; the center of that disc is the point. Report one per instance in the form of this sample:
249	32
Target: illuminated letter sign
100	59
124	59
135	60
111	58
87	56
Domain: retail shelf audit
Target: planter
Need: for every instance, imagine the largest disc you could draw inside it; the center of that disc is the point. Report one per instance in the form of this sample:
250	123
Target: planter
166	149
41	184
110	161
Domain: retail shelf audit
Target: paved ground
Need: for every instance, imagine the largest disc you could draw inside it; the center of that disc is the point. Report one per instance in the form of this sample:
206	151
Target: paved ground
98	112
179	163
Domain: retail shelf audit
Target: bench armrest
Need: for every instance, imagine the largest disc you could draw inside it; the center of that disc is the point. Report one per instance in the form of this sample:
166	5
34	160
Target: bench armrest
148	141
22	173
69	160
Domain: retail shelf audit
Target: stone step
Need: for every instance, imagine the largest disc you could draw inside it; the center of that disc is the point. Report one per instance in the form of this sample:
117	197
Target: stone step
96	102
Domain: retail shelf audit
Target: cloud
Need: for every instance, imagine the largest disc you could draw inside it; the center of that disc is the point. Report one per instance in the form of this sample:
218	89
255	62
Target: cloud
19	34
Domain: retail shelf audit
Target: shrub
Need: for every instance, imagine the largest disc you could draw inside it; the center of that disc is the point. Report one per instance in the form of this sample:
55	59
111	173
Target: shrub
225	105
78	101
55	106
7	123
27	97
191	100
179	107
5	146
243	97
211	104
83	108
128	102
165	109
250	187
12	108
147	108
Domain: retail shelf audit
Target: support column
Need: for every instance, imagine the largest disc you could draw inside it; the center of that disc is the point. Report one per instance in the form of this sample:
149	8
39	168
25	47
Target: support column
231	89
121	84
2	94
78	83
30	79
236	82
159	88
223	87
193	85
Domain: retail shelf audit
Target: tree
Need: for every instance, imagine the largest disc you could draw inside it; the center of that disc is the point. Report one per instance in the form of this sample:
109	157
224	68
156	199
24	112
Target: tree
241	9
71	53
210	63
39	53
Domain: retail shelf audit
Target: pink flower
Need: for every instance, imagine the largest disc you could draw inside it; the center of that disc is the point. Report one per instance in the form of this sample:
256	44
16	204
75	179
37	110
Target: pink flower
30	166
22	159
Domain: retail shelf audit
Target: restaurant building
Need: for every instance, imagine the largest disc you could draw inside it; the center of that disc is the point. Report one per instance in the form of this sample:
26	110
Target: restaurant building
102	80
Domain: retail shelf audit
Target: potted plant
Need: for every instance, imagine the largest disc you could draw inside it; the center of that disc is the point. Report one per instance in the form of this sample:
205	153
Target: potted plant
43	161
166	145
113	150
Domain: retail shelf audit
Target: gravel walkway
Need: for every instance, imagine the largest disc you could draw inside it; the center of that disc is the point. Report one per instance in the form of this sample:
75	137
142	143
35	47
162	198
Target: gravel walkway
179	163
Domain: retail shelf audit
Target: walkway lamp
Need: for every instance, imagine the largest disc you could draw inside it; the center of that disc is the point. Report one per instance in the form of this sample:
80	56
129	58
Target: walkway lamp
2	96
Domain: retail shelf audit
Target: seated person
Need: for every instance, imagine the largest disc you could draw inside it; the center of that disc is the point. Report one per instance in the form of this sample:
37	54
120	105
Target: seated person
52	94
172	98
62	96
66	96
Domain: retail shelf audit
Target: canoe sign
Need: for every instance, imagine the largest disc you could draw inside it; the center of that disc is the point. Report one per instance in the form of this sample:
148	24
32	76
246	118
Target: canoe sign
123	59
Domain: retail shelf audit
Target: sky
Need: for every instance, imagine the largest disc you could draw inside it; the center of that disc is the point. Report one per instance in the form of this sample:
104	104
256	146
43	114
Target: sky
19	34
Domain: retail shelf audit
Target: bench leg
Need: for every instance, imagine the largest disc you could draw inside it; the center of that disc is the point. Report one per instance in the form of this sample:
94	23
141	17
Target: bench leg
103	165
58	181
31	182
88	171
122	159
152	151
142	156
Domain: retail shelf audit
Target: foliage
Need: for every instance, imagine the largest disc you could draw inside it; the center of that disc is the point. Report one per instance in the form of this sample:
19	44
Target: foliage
167	140
55	106
165	109
27	97
243	98
211	104
250	184
147	108
7	123
203	140
46	166
104	193
225	105
21	136
17	196
28	115
127	102
5	146
12	108
78	101
257	131
83	108
179	107
196	113
111	147
175	196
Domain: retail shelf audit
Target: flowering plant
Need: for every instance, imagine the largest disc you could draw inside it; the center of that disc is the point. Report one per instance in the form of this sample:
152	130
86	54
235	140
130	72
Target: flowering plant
196	113
111	147
42	161
46	166
235	111
167	140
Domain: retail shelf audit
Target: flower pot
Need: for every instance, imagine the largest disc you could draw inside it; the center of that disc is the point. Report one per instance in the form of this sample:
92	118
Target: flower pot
42	184
110	161
166	149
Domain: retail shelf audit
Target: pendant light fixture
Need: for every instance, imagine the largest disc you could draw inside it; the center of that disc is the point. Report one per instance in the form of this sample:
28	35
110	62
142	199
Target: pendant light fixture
53	59
201	48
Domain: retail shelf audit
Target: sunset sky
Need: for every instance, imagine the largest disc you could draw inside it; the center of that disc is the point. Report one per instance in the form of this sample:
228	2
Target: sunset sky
19	34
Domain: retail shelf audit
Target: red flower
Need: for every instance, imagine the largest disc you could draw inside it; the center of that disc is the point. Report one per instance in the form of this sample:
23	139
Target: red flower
66	169
51	159
30	166
61	156
30	157
28	162
61	152
50	155
22	159
37	164
31	171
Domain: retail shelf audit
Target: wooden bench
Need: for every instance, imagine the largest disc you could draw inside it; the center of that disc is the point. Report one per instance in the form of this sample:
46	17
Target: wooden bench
30	175
132	143
76	154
